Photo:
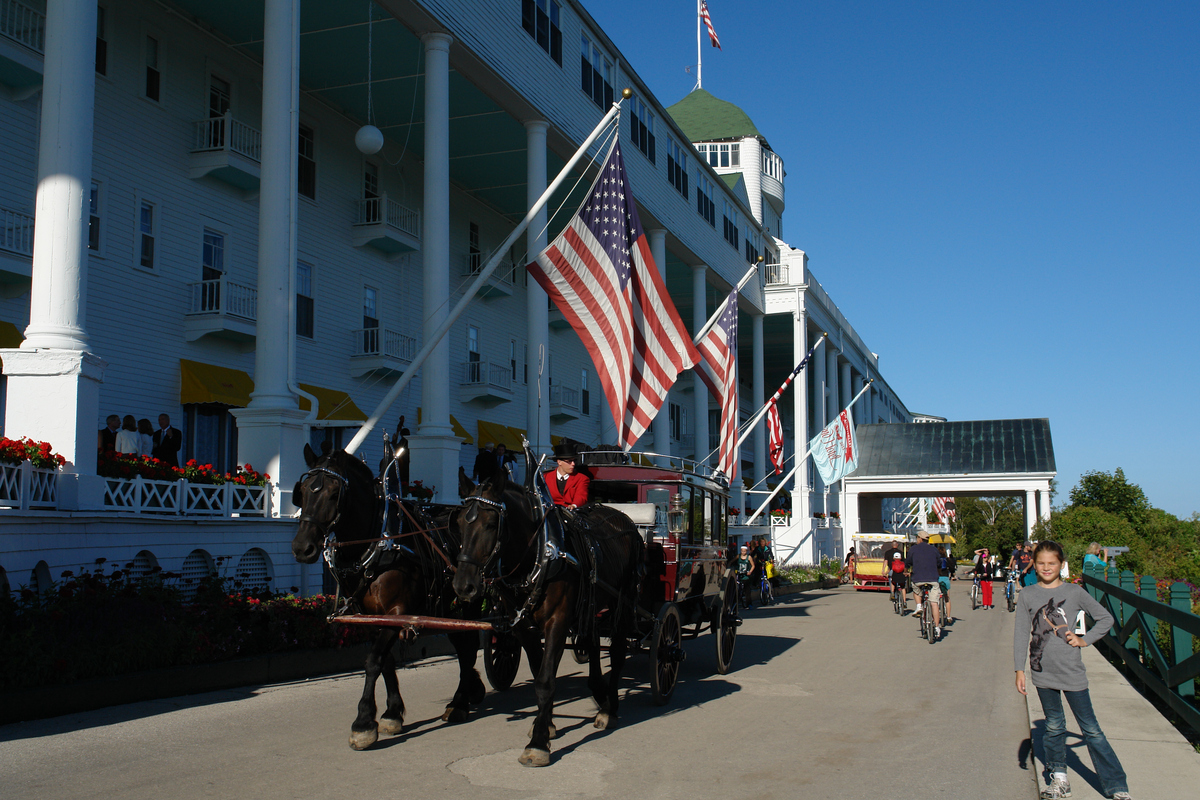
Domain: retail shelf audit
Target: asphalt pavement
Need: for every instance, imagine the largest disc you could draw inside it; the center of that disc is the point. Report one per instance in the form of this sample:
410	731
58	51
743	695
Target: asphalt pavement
831	696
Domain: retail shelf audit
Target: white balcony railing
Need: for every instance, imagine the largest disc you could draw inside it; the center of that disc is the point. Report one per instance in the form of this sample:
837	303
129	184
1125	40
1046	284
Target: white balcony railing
22	24
384	342
374	210
223	296
487	373
226	133
564	396
25	486
503	273
775	274
187	499
16	231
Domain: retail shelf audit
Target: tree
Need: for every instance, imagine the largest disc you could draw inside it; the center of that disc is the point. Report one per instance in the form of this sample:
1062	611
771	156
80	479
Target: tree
1114	494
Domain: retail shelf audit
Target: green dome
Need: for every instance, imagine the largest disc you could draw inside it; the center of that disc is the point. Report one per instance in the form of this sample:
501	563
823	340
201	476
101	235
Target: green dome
704	118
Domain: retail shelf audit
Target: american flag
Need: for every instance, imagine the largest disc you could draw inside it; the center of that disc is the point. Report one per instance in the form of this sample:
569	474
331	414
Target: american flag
944	508
600	274
718	369
775	446
712	34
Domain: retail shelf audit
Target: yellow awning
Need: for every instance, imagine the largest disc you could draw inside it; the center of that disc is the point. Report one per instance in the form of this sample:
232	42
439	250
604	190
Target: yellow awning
942	538
331	404
459	430
499	434
10	335
517	434
208	383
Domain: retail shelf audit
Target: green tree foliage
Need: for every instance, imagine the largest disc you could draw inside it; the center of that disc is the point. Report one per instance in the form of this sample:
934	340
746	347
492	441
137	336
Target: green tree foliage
997	523
1112	493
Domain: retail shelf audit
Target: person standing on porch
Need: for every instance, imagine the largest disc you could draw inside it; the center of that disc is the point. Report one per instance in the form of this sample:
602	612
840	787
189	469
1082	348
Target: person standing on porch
167	442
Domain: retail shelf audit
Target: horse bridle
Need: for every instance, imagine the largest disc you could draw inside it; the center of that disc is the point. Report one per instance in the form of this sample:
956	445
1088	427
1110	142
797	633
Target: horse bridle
471	516
327	529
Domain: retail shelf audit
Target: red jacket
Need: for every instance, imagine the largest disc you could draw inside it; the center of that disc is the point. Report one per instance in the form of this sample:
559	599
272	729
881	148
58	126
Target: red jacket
576	493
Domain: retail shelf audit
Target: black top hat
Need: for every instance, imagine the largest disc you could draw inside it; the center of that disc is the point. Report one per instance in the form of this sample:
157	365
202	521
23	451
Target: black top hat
566	450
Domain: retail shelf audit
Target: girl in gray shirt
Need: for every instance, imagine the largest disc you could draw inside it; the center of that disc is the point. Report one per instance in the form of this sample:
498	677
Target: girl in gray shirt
1046	613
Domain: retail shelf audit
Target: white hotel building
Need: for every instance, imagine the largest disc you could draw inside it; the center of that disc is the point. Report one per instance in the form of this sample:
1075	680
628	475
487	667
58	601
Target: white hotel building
187	227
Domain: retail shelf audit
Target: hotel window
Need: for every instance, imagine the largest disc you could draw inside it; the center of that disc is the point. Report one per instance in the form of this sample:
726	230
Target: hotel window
370	180
153	75
525	363
147	230
678	421
735	155
219	92
474	367
704	202
212	435
714	428
94	217
714	156
304	300
512	357
731	224
212	257
677	174
474	254
306	167
641	127
753	246
101	43
541	19
370	320
596	74
585	400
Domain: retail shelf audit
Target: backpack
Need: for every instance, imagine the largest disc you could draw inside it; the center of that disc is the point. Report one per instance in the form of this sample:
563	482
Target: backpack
897	565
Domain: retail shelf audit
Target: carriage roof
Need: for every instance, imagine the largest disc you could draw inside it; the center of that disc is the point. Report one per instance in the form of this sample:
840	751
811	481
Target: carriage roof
606	465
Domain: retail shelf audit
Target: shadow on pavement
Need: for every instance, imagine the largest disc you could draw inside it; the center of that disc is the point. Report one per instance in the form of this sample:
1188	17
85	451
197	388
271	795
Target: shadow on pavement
1074	742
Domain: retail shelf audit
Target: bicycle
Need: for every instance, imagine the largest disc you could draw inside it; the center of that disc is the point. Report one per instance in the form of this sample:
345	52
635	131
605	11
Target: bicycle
898	602
1010	590
976	592
942	608
744	594
928	629
765	595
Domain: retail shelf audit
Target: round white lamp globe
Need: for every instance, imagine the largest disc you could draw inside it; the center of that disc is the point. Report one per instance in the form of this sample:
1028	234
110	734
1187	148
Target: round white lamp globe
368	140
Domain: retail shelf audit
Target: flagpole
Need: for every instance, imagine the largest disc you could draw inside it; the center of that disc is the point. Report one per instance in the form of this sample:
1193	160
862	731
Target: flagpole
708	326
484	274
800	462
699	56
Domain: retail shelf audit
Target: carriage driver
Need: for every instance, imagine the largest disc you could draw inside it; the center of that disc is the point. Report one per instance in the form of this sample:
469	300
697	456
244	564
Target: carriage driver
568	488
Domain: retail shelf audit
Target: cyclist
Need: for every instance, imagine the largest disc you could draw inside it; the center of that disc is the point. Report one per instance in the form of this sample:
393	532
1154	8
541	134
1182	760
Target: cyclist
1022	561
945	573
923	559
893	562
745	566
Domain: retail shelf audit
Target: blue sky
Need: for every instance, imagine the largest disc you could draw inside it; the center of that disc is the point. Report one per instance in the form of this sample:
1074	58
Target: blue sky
1003	198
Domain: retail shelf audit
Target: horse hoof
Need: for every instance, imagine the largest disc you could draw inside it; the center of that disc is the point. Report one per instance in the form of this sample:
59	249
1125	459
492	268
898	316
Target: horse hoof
361	740
534	758
455	715
551	732
605	721
390	727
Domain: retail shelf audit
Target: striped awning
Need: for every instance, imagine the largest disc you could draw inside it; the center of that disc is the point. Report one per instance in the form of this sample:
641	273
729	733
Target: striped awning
332	404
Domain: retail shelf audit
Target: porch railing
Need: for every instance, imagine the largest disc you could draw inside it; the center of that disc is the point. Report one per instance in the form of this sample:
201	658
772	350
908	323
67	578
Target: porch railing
487	373
25	486
1156	640
22	24
384	342
373	210
564	396
775	274
227	133
183	498
223	296
16	231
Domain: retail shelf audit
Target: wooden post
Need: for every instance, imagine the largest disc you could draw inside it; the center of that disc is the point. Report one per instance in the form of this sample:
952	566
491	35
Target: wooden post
1148	588
1181	598
1129	584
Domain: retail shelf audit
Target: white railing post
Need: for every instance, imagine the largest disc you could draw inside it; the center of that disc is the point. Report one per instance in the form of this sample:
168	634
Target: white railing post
26	483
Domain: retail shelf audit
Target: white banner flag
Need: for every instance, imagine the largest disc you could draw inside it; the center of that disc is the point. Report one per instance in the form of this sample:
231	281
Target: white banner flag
834	450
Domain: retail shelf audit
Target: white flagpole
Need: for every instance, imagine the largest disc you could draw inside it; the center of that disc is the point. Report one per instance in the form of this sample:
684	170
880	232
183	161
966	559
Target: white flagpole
484	274
708	326
800	462
699	57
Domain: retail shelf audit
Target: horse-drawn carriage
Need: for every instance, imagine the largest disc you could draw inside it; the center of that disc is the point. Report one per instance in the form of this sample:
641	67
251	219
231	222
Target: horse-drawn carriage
643	566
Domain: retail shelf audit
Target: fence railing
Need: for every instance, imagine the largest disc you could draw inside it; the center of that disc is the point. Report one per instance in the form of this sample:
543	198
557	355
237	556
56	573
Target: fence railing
564	396
226	133
775	274
373	210
16	231
223	296
22	24
25	486
184	498
1141	623
384	342
487	373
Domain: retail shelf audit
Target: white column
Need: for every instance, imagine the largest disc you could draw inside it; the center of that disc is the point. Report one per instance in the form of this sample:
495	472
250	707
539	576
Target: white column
271	428
845	394
1044	500
435	448
795	543
1030	513
832	378
537	391
661	426
762	461
699	317
53	379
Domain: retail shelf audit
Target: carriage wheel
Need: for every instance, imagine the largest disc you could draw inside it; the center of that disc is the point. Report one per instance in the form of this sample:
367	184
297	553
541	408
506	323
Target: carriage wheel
724	625
579	651
666	651
501	658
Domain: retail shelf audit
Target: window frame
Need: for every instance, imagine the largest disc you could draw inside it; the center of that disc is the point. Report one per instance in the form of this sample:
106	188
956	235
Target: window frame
139	202
310	308
97	216
677	168
599	81
705	206
641	127
536	12
210	227
101	41
156	70
301	159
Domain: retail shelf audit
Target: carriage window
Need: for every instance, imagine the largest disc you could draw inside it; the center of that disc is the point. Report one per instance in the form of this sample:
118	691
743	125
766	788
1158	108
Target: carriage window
612	492
719	521
709	507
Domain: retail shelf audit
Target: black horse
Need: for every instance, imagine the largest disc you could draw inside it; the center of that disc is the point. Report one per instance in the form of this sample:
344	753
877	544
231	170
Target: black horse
342	512
552	583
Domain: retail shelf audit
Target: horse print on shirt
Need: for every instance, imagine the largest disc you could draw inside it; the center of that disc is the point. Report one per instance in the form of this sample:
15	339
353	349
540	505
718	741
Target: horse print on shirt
1050	620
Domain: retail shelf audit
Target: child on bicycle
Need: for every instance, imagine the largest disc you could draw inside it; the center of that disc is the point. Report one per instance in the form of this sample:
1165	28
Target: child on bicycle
945	573
1046	613
745	566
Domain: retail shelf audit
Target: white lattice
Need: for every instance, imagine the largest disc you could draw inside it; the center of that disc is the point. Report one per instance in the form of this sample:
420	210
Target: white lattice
120	493
254	570
143	565
42	488
203	499
196	567
158	496
247	501
10	485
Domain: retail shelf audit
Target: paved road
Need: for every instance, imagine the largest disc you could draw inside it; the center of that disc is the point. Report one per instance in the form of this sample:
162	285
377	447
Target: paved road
833	696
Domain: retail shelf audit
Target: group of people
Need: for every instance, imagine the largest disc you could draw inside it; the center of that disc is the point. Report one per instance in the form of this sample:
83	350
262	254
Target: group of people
138	437
754	557
493	462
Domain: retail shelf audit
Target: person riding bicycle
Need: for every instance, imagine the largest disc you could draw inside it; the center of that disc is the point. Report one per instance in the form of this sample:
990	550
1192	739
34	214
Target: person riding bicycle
745	566
945	573
923	559
893	565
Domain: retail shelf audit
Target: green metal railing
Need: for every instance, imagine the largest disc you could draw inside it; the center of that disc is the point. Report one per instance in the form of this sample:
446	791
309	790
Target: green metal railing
1139	616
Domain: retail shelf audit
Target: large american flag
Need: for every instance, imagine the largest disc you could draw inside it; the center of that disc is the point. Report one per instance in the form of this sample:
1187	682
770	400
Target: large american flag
712	34
718	369
600	274
775	446
944	508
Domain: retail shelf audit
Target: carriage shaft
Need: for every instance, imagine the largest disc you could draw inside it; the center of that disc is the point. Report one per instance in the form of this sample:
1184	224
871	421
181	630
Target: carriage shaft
410	621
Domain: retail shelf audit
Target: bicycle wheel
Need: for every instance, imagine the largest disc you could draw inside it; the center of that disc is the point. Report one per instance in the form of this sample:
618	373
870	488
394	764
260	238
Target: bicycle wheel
1011	596
974	596
765	594
942	609
896	600
930	630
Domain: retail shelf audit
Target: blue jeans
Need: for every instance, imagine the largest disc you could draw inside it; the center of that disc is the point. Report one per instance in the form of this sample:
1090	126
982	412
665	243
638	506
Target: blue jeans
1108	767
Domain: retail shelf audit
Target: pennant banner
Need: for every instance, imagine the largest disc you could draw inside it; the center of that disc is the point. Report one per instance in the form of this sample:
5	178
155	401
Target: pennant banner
834	449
